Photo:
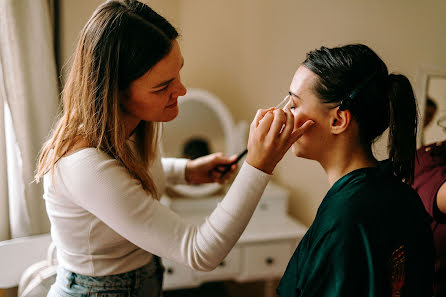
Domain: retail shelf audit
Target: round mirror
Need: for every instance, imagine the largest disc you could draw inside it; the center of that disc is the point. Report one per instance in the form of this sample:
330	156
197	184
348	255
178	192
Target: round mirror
203	126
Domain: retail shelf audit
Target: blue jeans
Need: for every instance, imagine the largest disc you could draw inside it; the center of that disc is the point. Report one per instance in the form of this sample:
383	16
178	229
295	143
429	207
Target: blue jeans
142	282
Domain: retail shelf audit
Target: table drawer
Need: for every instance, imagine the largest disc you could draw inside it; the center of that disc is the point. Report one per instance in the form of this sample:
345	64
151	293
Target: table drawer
267	260
228	268
177	276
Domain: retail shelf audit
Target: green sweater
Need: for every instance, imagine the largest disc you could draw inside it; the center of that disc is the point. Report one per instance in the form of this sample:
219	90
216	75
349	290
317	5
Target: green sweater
371	237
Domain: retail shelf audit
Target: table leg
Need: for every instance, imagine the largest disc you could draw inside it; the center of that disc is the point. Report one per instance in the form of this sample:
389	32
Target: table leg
269	288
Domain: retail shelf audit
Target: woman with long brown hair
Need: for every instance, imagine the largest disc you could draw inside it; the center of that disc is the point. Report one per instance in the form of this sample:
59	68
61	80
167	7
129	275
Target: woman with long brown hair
103	173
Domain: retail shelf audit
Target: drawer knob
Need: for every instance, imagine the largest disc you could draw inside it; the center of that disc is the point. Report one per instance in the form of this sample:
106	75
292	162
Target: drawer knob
222	264
269	261
169	270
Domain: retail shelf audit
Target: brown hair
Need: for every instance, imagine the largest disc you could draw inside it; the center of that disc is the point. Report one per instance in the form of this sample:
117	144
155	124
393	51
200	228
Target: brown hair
354	77
120	42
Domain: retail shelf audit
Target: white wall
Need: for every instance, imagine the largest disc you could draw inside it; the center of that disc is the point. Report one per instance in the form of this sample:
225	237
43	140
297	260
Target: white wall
74	15
246	51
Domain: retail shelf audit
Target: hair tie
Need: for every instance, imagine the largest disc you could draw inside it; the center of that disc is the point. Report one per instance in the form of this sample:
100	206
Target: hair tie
345	103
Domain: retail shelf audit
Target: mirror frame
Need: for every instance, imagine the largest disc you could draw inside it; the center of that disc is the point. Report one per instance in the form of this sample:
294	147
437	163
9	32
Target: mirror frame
424	72
229	131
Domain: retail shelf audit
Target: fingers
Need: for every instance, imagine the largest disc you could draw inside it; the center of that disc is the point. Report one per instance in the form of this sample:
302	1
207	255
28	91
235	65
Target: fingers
220	158
279	119
301	130
289	126
216	175
277	126
269	129
259	116
222	173
270	136
264	125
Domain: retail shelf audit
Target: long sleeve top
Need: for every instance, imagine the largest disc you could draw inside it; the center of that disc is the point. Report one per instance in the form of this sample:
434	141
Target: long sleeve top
103	222
370	238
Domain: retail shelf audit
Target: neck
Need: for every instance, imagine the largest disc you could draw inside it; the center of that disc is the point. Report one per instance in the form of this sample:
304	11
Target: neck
130	123
346	157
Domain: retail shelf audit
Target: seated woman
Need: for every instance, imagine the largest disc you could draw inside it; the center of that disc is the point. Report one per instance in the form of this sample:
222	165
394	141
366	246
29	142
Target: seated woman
371	234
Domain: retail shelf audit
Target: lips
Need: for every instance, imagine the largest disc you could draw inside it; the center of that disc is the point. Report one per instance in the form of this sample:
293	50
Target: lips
172	105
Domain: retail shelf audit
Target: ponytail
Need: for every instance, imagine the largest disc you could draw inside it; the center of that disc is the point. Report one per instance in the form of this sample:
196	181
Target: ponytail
354	77
402	126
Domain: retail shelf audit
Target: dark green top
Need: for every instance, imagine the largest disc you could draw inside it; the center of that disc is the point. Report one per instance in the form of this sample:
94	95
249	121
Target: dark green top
371	237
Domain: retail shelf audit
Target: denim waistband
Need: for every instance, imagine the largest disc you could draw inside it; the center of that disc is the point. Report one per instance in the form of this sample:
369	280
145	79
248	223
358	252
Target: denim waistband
117	281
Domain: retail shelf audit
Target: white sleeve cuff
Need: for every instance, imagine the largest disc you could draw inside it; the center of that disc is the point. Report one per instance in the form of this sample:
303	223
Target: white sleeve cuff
175	169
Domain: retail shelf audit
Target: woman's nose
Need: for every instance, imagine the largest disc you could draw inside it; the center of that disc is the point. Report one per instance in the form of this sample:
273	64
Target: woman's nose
180	89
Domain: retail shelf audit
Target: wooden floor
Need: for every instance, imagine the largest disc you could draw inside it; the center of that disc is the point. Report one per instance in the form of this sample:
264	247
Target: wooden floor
206	290
221	289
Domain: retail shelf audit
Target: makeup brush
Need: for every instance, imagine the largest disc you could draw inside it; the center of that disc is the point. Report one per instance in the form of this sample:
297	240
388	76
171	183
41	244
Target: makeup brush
225	168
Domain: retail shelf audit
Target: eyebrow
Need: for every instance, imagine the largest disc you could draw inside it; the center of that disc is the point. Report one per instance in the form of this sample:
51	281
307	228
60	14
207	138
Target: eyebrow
164	83
167	81
292	94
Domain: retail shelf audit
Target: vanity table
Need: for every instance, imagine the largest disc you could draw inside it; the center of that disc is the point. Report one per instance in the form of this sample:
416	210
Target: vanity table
262	252
267	244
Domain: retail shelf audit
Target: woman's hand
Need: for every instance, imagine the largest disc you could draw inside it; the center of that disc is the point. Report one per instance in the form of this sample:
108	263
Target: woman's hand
270	136
203	169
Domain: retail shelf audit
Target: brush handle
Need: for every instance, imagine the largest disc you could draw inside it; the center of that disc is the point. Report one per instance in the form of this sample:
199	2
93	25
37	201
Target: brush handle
225	168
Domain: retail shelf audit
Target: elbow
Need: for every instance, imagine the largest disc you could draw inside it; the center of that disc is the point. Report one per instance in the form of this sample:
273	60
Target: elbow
202	255
203	267
205	263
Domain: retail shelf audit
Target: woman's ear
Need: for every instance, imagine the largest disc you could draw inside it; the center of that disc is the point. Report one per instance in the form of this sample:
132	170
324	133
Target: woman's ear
340	120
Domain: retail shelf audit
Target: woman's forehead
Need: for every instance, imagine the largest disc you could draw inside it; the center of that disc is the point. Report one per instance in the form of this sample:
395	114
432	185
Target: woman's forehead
303	81
168	67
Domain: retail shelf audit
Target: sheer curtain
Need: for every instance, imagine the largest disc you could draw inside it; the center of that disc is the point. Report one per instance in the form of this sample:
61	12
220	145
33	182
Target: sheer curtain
28	106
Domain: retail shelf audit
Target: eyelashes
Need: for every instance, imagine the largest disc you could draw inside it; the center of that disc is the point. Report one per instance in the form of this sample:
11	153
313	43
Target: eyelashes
161	90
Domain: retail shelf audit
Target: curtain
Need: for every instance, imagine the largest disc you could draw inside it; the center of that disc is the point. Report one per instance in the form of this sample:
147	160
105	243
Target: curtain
28	106
4	208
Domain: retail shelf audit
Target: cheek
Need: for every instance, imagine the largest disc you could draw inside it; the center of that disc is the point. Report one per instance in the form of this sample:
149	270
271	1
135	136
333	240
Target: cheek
144	107
300	118
303	147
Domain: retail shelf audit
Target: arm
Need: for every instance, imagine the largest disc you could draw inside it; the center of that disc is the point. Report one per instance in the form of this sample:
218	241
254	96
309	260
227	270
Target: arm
106	189
103	187
441	198
174	169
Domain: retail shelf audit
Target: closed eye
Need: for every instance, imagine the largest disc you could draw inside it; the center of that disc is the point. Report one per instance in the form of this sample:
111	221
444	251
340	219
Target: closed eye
163	89
292	103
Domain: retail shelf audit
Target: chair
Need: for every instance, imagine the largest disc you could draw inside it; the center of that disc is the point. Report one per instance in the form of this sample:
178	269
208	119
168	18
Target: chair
16	255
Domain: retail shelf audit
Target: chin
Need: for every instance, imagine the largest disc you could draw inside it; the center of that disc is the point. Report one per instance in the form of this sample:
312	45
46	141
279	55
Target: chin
296	150
300	152
170	115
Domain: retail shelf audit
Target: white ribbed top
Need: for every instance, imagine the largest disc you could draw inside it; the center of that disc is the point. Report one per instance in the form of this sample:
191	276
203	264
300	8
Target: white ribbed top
103	222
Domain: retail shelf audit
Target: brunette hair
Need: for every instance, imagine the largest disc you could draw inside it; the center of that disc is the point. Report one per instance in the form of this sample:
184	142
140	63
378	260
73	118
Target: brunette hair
120	42
353	77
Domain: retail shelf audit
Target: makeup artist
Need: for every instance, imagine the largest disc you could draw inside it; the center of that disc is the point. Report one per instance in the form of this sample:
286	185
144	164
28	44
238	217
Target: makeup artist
102	170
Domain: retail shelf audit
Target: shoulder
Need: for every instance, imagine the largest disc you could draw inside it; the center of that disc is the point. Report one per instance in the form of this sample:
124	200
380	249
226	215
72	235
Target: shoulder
90	168
367	194
85	159
92	179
